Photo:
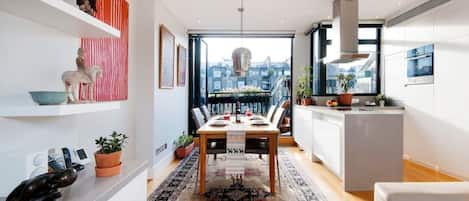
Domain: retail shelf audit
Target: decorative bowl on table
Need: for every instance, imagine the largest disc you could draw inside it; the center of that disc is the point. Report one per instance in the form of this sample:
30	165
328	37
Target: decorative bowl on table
49	97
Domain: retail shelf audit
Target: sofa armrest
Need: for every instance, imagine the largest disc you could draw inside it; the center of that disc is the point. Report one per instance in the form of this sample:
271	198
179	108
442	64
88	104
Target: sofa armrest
423	191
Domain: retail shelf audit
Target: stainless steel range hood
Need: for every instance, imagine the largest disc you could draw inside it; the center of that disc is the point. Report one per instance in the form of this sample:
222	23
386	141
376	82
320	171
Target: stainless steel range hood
345	33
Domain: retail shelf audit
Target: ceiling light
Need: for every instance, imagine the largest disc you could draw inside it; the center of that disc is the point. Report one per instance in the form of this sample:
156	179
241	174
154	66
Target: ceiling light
241	56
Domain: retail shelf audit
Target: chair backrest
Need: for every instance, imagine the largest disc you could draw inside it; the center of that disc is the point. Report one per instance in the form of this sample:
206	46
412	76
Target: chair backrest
206	113
198	117
270	113
278	117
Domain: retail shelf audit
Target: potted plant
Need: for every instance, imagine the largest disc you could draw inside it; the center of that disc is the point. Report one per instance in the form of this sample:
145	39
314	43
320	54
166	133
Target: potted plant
303	89
108	156
345	83
185	145
381	99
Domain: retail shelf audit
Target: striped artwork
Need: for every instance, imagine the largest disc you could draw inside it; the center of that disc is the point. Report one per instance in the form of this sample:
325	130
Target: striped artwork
110	54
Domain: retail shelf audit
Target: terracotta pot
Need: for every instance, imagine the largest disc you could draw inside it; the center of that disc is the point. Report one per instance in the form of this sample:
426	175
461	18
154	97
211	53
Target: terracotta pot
108	160
345	99
182	152
307	101
108	172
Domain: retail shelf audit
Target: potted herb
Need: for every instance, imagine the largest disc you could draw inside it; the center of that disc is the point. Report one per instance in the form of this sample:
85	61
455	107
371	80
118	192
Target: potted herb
345	83
185	145
381	99
303	89
108	156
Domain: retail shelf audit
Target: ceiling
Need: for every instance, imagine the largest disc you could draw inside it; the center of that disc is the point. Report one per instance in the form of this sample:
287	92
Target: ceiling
273	14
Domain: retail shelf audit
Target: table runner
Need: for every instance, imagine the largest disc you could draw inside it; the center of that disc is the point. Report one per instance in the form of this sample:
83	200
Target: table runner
235	149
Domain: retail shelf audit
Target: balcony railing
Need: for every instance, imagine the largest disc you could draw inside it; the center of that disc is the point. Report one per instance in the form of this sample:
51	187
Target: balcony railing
257	102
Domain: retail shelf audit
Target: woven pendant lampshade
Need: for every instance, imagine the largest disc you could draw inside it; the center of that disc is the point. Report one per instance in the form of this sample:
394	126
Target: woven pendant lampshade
241	56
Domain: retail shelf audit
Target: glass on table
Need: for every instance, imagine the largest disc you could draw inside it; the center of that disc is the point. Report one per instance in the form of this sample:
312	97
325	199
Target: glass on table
248	112
227	115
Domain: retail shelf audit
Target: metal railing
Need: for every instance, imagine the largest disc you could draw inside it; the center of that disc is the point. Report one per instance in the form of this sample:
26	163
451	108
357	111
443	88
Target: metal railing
257	102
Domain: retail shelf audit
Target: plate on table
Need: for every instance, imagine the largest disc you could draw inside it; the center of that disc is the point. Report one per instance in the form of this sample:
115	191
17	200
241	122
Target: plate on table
255	118
218	123
259	123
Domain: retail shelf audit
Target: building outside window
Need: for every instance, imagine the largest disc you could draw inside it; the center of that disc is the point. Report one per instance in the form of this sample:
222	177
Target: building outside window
366	72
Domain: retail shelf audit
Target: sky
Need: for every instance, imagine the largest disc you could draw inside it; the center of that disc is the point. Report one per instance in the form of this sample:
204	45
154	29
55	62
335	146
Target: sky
279	49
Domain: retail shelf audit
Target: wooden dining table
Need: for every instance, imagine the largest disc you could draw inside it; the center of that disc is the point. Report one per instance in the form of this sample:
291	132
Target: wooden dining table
208	131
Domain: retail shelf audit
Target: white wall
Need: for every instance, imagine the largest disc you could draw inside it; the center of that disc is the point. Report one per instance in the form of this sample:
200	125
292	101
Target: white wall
301	57
33	57
436	131
162	112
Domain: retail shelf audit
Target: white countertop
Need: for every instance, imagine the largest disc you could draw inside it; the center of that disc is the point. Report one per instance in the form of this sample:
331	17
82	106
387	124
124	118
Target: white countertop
354	110
91	188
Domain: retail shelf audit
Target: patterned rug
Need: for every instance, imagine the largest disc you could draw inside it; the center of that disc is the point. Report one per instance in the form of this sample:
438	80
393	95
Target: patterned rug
180	185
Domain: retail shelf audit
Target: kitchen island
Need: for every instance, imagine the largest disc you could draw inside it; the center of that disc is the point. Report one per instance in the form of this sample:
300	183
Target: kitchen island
360	145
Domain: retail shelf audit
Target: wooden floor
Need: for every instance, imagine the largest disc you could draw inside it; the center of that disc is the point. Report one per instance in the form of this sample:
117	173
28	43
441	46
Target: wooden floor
328	183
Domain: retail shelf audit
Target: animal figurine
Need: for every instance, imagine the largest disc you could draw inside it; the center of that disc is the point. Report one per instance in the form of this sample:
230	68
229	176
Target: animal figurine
87	6
43	187
73	79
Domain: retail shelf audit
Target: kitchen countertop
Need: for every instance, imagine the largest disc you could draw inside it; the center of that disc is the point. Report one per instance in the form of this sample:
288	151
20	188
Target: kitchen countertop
91	188
354	110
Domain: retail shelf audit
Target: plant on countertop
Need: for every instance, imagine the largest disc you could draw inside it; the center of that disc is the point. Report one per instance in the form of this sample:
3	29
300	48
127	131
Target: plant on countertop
303	89
381	99
345	82
185	145
114	144
108	155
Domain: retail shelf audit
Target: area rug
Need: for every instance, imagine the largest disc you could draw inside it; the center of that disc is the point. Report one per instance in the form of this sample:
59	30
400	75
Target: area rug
180	185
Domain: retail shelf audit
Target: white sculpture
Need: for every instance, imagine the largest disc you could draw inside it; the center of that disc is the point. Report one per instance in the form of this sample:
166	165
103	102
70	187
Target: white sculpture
73	79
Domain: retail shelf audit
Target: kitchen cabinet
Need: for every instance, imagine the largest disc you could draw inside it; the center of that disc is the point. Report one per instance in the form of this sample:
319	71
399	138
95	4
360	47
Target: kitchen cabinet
303	129
361	146
327	141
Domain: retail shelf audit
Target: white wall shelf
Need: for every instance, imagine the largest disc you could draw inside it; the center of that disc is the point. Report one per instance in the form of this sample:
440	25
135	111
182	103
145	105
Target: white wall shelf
61	16
57	110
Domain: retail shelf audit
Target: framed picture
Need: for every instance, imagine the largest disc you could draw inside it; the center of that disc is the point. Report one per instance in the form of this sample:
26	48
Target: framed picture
182	66
167	52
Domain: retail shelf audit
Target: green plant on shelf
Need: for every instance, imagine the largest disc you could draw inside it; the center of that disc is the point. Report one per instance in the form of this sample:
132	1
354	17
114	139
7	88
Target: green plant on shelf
113	144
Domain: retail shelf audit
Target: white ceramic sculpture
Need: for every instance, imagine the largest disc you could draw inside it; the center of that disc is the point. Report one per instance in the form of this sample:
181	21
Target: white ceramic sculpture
73	79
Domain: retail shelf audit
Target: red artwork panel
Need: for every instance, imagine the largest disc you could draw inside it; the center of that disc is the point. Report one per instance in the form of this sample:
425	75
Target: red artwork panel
110	54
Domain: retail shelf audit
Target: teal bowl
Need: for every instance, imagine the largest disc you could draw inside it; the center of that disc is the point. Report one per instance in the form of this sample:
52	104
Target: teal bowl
49	97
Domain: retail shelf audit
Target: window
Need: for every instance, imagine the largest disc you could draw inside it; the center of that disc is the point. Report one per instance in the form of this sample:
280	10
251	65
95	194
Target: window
366	72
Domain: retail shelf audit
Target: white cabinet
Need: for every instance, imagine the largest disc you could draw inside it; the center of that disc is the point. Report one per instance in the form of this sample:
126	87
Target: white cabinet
327	141
303	129
361	147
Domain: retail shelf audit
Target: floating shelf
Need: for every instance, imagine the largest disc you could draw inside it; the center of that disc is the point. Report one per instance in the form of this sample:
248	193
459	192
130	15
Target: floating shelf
57	110
61	16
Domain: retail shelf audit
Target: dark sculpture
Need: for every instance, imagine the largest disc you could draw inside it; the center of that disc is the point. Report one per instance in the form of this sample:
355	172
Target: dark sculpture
87	6
43	187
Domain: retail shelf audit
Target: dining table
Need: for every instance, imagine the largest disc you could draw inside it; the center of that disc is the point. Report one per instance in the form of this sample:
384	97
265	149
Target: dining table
212	130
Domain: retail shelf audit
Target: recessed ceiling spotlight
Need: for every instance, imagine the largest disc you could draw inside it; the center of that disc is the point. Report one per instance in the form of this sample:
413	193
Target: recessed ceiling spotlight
198	21
399	3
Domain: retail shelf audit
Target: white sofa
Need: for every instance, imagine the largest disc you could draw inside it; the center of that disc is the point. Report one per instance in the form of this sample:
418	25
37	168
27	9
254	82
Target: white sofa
423	191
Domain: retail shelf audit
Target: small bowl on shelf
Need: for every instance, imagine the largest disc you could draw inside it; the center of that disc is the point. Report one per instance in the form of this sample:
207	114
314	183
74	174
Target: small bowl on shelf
49	97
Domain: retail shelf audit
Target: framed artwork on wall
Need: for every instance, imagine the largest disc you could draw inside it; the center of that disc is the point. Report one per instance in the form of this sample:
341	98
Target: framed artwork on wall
182	66
167	53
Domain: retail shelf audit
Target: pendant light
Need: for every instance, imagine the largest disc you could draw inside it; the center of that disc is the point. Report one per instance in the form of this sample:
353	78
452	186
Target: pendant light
241	56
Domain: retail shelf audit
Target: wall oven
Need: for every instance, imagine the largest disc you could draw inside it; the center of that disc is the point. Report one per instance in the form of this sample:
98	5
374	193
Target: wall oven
420	65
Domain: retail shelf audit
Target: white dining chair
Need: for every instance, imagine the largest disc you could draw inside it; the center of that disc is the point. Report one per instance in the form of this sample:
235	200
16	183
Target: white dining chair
271	112
206	112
